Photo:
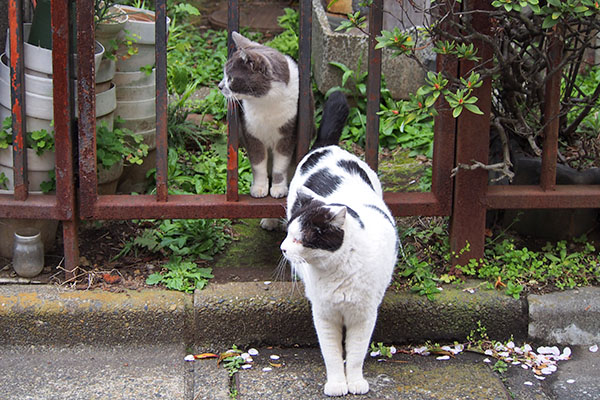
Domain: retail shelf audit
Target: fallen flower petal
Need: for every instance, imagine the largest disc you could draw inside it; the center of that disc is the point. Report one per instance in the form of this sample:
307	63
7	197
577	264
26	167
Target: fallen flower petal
189	357
267	369
274	357
246	366
487	360
541	378
528	383
570	380
253	352
442	358
594	348
375	353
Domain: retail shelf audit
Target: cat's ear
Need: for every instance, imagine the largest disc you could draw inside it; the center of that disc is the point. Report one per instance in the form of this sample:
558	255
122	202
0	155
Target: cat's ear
338	216
240	41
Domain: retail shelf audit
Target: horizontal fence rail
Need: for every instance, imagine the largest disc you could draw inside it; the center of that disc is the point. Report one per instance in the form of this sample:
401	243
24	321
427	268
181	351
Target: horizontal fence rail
466	198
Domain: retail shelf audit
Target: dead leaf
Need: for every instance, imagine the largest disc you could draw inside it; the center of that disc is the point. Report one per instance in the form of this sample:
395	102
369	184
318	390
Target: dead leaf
499	284
205	356
111	279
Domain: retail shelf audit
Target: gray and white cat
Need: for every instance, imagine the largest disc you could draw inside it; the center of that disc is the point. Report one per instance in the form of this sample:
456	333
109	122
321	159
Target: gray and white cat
266	84
342	242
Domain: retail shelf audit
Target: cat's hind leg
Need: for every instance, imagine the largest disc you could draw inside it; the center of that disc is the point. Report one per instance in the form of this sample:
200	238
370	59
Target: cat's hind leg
358	336
329	332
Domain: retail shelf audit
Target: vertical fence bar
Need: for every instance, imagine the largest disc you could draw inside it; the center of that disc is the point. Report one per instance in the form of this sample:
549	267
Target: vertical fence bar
467	225
17	93
65	184
305	113
233	122
162	151
444	137
373	85
551	112
86	105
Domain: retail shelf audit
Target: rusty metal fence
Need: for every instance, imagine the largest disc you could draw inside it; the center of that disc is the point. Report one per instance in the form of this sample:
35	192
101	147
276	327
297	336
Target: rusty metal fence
465	198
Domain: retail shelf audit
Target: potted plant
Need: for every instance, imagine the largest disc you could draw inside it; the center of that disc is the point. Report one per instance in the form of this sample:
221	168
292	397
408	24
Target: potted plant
114	148
40	174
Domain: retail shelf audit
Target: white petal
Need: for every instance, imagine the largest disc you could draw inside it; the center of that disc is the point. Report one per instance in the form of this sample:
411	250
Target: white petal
524	366
527	348
274	357
267	369
375	353
487	360
488	352
267	282
570	380
528	383
566	352
594	348
510	345
546	371
446	348
246	366
541	378
253	352
393	350
443	358
189	357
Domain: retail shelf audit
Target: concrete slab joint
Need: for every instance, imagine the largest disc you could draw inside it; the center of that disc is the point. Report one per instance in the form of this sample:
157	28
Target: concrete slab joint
569	317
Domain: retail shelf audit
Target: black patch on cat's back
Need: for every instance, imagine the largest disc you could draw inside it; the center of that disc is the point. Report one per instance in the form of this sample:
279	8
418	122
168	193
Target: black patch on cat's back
323	182
353	167
312	160
382	213
317	231
352	213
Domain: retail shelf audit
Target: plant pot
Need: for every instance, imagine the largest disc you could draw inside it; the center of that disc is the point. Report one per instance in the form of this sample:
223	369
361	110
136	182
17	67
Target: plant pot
38	61
108	179
106	32
38	167
133	179
140	24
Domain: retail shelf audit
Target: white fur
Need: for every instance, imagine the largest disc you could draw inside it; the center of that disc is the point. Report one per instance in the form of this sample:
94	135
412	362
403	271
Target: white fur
345	287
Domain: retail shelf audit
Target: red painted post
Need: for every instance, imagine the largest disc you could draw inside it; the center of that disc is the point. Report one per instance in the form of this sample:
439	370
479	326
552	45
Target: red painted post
86	104
467	225
65	182
17	91
373	86
162	151
551	115
233	122
305	103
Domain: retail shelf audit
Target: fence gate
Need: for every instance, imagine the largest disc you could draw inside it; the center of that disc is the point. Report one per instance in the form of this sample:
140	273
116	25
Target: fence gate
74	201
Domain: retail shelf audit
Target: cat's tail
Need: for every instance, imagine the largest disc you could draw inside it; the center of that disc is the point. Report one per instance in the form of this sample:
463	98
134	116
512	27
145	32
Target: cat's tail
335	113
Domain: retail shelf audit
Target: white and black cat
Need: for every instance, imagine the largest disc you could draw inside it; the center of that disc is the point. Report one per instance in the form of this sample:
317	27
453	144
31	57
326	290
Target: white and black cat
342	242
266	84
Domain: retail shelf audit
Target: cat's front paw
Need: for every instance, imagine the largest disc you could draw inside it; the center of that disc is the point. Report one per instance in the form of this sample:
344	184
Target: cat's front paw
278	191
336	388
360	386
258	190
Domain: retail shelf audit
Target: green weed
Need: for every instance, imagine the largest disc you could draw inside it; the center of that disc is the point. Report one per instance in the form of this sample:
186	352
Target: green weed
184	276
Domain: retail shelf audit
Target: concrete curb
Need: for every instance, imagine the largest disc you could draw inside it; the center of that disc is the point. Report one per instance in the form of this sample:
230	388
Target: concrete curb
254	313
